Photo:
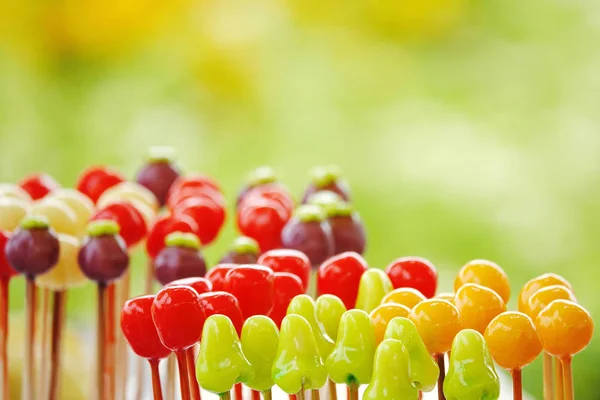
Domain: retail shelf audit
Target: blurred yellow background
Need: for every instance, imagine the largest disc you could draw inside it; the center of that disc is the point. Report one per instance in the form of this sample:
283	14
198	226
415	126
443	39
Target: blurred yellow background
468	129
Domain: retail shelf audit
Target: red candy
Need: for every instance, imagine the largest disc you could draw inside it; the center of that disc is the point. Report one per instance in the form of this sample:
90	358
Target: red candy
178	316
262	219
139	330
287	260
275	192
414	272
191	187
225	304
200	285
286	287
163	227
252	285
130	220
96	180
216	275
207	213
39	185
195	182
340	276
6	271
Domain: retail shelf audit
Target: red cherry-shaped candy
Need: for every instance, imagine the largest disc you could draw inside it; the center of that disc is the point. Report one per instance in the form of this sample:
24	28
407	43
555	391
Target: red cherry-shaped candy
181	258
252	285
39	185
347	228
263	220
95	180
216	275
200	285
225	304
327	178
413	272
6	271
165	225
274	191
340	276
178	316
287	260
208	215
261	176
286	287
159	173
244	250
103	255
310	233
195	182
139	330
131	222
192	193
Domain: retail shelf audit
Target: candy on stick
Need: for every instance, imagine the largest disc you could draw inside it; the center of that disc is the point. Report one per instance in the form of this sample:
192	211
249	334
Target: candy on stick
209	214
329	313
225	304
243	250
130	220
287	260
565	328
216	275
351	360
413	272
14	191
32	250
159	173
278	193
263	219
340	276
424	371
221	362
78	202
12	211
194	186
59	215
261	176
325	199
260	339
391	374
477	306
309	232
374	285
485	273
6	273
128	191
406	296
286	286
200	285
383	314
96	180
438	322
139	330
327	178
298	365
446	296
347	228
39	185
252	285
181	258
471	375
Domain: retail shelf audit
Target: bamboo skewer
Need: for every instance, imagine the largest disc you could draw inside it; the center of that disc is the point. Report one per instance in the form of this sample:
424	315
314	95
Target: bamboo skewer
183	375
44	344
548	381
171	372
29	384
121	370
193	382
58	322
353	392
101	341
568	378
4	382
559	390
440	385
156	387
517	384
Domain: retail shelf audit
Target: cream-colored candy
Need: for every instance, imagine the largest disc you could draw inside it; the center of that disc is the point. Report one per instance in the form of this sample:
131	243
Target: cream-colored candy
66	274
128	191
59	215
79	203
12	211
12	190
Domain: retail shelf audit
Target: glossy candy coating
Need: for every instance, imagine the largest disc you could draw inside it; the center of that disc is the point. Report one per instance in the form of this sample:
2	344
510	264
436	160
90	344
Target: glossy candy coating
159	173
546	295
485	273
406	296
260	339
208	214
131	222
200	285
217	276
374	285
14	191
438	322
221	362
178	316
565	328
139	330
39	185
304	306
391	374
477	306
383	314
164	226
96	180
424	371
513	340
351	361
128	191
12	211
536	284
285	287
446	296
223	303
78	202
33	248
197	182
252	285
59	215
329	312
287	260
261	176
327	178
6	271
298	364
275	192
179	259
263	220
192	192
340	276
244	250
347	229
471	373
414	272
309	232
66	274
103	255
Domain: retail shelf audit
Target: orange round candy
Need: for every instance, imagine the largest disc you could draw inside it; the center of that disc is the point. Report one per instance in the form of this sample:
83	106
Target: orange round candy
513	340
477	306
406	296
565	328
545	296
485	273
438	322
536	284
446	296
383	314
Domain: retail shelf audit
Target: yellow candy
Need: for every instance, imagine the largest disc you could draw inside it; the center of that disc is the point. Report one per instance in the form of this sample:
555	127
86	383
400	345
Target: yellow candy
438	322
536	284
477	306
81	205
12	190
485	273
12	211
406	296
128	191
60	216
546	295
446	296
66	274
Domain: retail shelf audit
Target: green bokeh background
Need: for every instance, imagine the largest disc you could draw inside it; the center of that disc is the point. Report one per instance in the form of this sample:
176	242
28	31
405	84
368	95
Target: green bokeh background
468	129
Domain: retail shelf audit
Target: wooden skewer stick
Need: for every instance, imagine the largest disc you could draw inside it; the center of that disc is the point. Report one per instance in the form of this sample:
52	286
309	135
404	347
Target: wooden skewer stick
548	384
4	383
255	395
315	395
353	390
183	375
171	364
238	391
191	369
226	396
101	342
300	394
111	340
332	389
559	391
267	394
442	366
149	279
156	388
58	322
568	377
517	384
121	370
44	344
29	389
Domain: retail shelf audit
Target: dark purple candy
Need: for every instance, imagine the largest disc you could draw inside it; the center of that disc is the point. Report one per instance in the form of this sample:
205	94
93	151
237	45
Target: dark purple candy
348	233
174	263
103	258
310	234
327	178
33	251
158	176
233	257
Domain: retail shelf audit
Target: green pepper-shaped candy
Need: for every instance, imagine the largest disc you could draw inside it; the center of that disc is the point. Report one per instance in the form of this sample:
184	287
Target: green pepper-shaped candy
260	339
329	312
221	363
424	371
471	375
391	374
374	285
298	365
351	361
304	306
